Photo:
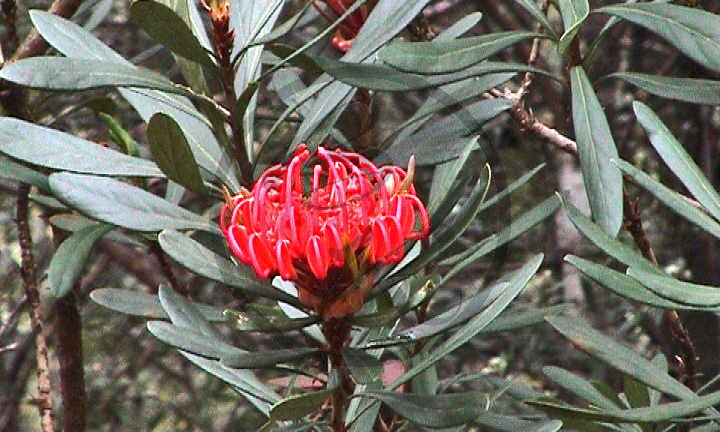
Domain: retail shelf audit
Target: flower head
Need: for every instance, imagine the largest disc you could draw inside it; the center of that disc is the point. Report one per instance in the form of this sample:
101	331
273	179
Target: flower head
351	25
323	224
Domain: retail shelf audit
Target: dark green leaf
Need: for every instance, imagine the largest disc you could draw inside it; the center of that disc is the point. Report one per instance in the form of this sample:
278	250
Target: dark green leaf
63	73
171	151
574	13
660	413
636	392
74	41
441	140
578	386
678	159
596	147
519	226
253	320
532	7
622	285
364	368
121	204
144	305
435	411
69	259
613	247
263	359
53	149
508	321
185	314
672	199
168	28
460	27
619	357
517	280
120	135
199	259
190	340
298	406
681	292
443	57
15	171
693	31
693	90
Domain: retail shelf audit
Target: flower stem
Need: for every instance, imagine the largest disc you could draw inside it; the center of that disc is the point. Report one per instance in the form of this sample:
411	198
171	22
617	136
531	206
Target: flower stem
337	334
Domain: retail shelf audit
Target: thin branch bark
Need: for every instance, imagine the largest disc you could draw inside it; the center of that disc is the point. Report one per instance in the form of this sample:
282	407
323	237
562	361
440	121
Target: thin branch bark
44	398
34	44
70	356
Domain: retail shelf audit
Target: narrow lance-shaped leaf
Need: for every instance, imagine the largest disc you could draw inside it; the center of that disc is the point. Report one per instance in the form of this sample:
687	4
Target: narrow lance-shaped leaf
693	31
596	148
693	90
532	7
435	411
51	148
678	159
448	56
145	305
69	260
574	13
14	171
677	291
672	199
172	153
121	204
298	406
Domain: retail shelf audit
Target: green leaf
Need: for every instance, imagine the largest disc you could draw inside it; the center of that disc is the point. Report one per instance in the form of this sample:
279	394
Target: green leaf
145	305
578	386
201	260
672	199
693	90
622	285
460	27
264	359
298	406
383	78
74	41
119	134
185	314
435	411
532	7
447	235
364	368
63	73
15	171
637	393
69	260
252	320
441	140
58	150
169	29
613	247
681	292
508	321
605	349
693	31
678	159
661	413
512	187
171	151
243	381
596	148
388	18
456	315
121	204
73	222
190	340
574	13
519	226
445	176
443	57
517	280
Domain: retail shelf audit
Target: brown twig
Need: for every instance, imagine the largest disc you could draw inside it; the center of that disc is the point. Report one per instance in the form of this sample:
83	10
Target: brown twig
44	398
8	324
34	44
8	9
337	332
167	269
70	357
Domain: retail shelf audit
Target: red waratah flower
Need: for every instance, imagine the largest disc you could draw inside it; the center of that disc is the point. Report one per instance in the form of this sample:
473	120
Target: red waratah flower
323	225
350	27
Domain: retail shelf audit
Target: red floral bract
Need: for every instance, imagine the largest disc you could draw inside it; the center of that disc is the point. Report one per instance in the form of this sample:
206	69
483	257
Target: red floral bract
351	25
323	225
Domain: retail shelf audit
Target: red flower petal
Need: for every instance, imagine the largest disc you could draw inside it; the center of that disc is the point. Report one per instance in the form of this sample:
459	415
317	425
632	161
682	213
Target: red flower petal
317	257
284	261
260	256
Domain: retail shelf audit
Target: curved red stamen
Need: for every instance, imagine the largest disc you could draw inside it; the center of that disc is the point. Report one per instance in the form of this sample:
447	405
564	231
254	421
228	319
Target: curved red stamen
317	257
284	261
